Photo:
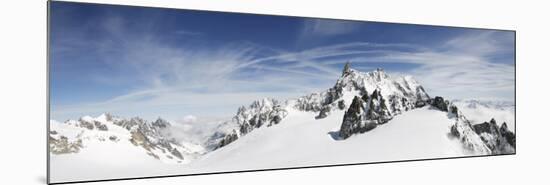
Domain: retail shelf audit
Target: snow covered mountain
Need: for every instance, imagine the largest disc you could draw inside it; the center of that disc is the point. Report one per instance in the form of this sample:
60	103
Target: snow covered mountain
78	136
362	102
390	96
364	117
479	111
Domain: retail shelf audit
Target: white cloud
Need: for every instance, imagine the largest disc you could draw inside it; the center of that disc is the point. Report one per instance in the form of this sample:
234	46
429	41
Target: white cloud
175	81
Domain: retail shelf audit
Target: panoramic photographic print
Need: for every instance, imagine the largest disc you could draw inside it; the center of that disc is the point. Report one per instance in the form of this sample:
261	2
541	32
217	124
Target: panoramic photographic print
147	92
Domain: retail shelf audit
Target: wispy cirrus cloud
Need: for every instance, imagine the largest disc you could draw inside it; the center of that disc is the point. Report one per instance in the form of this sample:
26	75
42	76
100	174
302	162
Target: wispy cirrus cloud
188	33
327	27
214	79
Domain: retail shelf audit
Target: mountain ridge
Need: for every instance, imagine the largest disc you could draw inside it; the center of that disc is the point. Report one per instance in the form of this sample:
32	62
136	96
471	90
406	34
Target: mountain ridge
364	100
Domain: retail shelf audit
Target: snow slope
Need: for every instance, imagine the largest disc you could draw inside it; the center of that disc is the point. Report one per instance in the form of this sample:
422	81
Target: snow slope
268	134
301	140
105	149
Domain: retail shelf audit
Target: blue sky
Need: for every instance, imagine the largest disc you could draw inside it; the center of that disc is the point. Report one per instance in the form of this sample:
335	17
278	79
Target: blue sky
151	62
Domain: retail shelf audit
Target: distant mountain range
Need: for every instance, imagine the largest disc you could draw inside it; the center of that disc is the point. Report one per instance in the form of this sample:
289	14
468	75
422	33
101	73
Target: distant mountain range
364	117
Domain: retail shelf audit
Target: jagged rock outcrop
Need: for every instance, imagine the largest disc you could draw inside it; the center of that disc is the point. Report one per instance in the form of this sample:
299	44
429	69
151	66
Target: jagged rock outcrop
142	133
367	112
439	103
508	135
387	101
261	112
100	126
462	128
226	139
389	97
161	123
323	113
86	124
401	93
61	145
341	105
316	101
347	69
377	109
498	139
485	138
355	119
377	98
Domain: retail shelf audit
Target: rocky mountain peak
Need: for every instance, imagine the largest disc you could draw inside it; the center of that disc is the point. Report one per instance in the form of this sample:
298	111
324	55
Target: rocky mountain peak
106	116
498	139
161	123
347	69
73	135
261	112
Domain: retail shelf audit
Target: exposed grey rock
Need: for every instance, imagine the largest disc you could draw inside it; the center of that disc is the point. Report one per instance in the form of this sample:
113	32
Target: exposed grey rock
62	145
228	139
440	103
341	105
377	112
113	138
261	112
420	103
100	126
86	124
323	113
508	135
353	121
161	123
177	153
499	139
346	69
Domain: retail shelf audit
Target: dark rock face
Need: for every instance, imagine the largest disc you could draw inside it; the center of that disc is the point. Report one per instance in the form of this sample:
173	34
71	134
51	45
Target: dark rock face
375	109
100	126
341	104
439	103
228	139
354	120
113	138
419	104
378	112
176	153
454	131
490	127
453	110
508	135
261	112
161	123
365	97
276	119
86	124
346	69
323	113
486	138
498	139
129	123
316	101
367	112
